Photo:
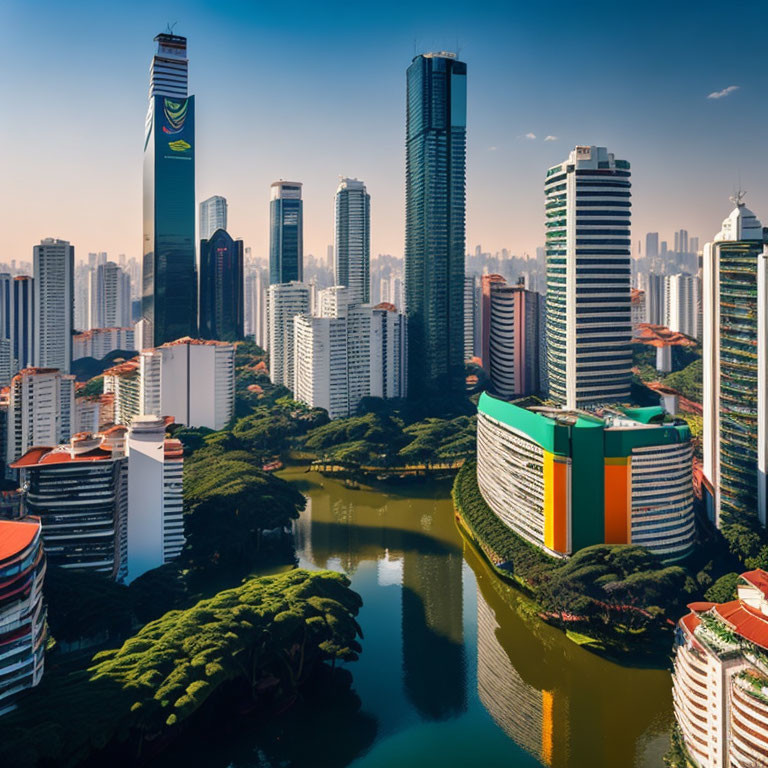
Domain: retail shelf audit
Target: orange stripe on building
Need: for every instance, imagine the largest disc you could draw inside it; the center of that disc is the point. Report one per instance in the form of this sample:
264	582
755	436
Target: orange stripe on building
555	503
547	727
617	500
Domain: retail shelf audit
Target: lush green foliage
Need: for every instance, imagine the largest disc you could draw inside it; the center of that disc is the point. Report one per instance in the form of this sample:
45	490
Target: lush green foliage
724	589
688	381
229	502
747	539
609	587
265	635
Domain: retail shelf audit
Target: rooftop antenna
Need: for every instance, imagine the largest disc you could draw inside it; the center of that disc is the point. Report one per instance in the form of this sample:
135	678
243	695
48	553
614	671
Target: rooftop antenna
169	27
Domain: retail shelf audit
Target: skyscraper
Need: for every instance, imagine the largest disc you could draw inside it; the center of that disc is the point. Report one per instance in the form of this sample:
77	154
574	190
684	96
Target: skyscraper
54	303
734	369
470	315
589	326
221	287
286	233
652	245
213	216
656	299
22	322
683	301
435	191
169	295
353	239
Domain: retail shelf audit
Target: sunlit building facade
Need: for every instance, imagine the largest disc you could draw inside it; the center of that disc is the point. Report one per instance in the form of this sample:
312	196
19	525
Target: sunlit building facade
353	239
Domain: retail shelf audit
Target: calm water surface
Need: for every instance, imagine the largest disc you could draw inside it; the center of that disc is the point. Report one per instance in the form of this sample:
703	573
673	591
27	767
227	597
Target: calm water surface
455	672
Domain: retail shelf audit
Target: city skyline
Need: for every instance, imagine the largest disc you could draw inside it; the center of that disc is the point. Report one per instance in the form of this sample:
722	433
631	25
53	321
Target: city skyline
686	150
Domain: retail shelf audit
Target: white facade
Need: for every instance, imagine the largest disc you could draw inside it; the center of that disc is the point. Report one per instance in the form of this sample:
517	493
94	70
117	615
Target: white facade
41	410
155	513
285	301
109	297
255	320
589	324
389	353
213	216
683	304
320	364
655	300
99	342
353	239
54	300
470	315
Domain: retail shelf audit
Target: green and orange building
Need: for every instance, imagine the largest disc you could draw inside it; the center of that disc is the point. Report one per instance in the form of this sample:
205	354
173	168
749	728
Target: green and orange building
565	479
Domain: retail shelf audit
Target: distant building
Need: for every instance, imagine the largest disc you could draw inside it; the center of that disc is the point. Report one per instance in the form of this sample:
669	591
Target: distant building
353	239
23	632
719	680
221	287
109	297
53	305
155	496
286	233
512	342
735	369
589	313
255	321
566	479
656	300
41	410
637	298
285	301
389	352
435	214
213	216
99	342
652	245
79	491
683	304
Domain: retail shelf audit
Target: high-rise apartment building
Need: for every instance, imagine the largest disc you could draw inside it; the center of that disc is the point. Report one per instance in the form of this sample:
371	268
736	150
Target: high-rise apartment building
155	491
255	322
435	198
683	304
169	291
652	245
389	352
284	302
353	239
286	233
470	315
79	491
213	216
54	303
22	615
221	287
109	297
99	342
589	325
681	241
735	369
41	410
512	340
639	315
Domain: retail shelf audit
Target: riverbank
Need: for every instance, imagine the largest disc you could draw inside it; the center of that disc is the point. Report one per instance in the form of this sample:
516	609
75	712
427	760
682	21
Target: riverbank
612	599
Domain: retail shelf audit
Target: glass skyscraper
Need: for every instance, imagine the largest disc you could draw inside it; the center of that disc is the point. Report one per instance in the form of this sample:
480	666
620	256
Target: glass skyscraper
221	287
169	292
286	233
353	239
435	193
589	310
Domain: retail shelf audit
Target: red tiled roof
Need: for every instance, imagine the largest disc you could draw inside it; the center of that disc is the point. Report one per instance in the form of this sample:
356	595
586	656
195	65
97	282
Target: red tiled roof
637	296
660	336
758	579
745	621
201	342
173	448
701	606
96	331
15	536
690	622
386	305
129	366
38	456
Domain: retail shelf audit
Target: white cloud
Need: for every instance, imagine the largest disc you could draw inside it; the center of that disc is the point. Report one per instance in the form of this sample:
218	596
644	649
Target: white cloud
492	149
725	92
550	138
530	135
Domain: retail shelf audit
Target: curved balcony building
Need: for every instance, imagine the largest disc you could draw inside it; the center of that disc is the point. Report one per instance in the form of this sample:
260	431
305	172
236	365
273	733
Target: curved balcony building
566	479
720	678
22	616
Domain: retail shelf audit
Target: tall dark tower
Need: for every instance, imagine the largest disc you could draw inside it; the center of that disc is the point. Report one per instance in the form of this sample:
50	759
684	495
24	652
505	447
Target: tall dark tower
435	202
286	233
169	285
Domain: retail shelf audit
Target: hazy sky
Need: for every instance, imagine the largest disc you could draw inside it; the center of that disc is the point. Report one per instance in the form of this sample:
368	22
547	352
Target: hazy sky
310	90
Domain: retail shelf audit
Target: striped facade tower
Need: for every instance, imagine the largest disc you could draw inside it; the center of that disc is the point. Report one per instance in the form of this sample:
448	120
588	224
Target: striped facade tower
589	325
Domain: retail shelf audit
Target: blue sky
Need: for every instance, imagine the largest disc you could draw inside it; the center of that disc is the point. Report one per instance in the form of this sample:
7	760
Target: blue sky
309	91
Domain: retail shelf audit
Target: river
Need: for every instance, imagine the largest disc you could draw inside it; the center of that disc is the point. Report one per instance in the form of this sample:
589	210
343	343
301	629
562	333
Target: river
455	670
